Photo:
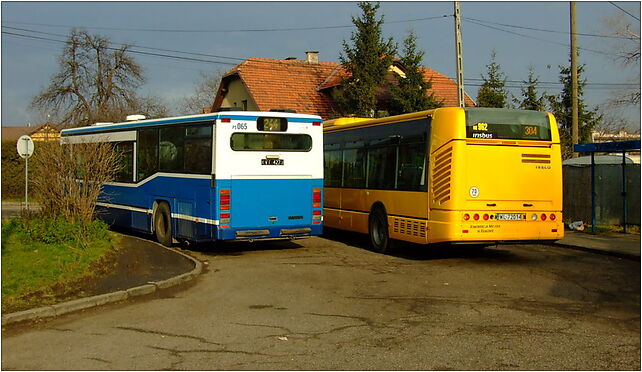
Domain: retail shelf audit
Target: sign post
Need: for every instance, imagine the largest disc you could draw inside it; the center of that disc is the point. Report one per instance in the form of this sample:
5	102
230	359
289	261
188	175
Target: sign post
25	150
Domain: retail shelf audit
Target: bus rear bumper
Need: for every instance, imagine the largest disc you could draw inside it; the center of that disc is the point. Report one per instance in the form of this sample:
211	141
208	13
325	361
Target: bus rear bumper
268	232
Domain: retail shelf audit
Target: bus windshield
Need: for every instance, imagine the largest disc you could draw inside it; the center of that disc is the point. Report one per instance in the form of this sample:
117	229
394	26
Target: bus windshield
490	123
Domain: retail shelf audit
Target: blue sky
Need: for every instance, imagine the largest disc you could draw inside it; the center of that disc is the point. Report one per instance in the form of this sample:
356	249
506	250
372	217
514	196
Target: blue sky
522	33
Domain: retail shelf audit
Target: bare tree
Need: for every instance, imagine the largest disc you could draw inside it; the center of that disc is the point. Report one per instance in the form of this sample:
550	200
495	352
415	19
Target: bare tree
95	82
69	179
204	93
626	52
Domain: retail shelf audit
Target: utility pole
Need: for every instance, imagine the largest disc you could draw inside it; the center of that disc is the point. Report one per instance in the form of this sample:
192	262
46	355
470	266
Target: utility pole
574	105
459	57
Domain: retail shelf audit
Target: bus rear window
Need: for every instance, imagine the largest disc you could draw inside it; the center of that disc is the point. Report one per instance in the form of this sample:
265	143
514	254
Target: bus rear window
490	123
270	142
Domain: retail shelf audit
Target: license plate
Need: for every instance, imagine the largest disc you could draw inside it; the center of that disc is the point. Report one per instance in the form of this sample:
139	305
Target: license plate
271	161
509	216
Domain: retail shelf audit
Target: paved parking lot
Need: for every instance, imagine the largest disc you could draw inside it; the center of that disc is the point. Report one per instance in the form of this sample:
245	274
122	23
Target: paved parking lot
324	303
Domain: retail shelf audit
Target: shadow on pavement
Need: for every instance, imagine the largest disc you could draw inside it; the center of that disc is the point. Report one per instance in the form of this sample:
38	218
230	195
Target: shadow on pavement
419	252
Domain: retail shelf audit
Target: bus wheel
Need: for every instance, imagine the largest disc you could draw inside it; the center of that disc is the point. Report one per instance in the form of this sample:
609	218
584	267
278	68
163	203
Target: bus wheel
378	230
163	225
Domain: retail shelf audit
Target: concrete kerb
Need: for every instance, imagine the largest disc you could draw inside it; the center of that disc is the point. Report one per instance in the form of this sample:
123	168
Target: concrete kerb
98	300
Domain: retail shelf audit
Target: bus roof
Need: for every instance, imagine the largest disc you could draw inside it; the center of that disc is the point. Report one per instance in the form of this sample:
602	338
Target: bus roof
235	115
352	122
349	123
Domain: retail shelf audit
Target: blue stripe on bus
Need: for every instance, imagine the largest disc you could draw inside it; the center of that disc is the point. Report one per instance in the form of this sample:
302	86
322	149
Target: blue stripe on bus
257	204
119	126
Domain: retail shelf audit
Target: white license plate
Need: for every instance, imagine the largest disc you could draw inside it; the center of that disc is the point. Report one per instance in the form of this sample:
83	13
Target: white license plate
509	216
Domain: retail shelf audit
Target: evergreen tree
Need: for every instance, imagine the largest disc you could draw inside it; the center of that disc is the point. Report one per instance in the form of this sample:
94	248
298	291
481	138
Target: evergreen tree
530	100
492	92
410	94
561	107
367	61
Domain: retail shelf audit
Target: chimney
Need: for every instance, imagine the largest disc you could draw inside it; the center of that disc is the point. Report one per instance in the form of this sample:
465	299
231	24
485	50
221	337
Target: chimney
312	56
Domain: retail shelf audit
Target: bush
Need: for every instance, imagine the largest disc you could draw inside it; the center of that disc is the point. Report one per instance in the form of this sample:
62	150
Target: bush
56	175
56	231
48	260
13	172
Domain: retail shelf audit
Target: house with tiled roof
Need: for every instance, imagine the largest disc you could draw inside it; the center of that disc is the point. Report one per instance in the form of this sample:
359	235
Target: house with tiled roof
305	86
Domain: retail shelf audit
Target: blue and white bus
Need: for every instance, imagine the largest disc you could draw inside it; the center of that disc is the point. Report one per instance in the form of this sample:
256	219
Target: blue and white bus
231	175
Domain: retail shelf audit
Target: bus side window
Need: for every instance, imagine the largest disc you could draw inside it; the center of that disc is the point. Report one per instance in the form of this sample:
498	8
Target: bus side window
332	165
198	149
125	152
147	154
172	140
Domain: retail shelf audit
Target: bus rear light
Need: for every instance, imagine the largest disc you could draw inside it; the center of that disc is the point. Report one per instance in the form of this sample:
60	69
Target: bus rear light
543	217
534	217
316	198
226	120
476	217
466	217
464	231
224	200
486	217
316	123
553	230
552	217
316	212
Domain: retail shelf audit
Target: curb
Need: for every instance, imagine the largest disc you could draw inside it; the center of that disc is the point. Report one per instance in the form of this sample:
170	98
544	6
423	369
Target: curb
599	251
98	300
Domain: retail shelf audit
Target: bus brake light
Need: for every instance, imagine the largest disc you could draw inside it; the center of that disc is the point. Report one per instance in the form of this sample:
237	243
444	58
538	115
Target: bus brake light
552	217
316	198
316	123
543	216
224	201
466	217
476	217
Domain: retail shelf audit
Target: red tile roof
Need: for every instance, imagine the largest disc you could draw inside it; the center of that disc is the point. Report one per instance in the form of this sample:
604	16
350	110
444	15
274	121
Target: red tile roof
286	84
299	85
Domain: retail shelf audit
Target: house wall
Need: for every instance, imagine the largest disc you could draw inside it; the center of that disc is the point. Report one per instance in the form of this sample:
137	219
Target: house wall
236	95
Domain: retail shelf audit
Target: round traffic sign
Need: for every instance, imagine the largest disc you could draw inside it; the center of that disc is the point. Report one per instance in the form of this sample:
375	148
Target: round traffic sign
25	146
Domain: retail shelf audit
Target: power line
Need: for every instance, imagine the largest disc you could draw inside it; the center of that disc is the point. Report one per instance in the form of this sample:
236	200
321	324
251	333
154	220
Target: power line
511	83
615	5
544	30
283	29
130	50
132	45
532	37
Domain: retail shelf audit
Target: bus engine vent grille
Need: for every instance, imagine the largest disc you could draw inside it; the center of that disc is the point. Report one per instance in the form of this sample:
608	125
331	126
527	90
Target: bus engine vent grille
441	176
409	227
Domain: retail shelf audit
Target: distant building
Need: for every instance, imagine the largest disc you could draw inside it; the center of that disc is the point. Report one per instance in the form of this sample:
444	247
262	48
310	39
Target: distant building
603	136
306	86
44	132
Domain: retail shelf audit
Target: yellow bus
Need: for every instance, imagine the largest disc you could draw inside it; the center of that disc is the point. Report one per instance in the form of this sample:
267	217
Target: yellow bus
469	175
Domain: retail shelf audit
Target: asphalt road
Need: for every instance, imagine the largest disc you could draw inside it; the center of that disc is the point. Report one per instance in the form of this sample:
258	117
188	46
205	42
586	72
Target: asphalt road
324	304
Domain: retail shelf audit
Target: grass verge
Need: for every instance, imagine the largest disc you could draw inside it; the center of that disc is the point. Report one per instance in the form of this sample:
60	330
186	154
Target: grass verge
45	261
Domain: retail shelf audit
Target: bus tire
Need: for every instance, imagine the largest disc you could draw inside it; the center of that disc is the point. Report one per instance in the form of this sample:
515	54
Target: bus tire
378	230
163	224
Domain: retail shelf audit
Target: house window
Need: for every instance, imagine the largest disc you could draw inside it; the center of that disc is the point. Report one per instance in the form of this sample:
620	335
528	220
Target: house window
244	105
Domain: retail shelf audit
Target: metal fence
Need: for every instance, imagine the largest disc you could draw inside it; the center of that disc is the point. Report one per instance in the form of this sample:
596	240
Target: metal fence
608	187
